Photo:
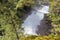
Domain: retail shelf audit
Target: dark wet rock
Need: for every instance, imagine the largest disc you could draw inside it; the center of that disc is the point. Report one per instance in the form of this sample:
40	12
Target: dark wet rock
45	27
23	12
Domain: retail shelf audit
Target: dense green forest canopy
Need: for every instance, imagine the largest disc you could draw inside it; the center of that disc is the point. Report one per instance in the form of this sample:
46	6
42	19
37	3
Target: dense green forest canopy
11	18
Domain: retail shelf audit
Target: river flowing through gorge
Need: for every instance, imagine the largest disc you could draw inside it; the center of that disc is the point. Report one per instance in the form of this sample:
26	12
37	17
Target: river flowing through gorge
33	20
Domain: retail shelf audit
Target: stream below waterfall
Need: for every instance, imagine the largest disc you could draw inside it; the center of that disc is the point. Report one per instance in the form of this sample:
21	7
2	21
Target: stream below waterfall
33	20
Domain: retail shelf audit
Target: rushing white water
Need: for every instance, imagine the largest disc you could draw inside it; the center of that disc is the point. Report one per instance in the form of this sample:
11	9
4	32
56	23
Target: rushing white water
34	19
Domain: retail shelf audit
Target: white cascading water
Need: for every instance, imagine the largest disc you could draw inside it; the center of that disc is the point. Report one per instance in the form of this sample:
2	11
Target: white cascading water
33	20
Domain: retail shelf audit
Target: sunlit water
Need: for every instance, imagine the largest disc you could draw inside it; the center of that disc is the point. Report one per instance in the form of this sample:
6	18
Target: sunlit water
33	20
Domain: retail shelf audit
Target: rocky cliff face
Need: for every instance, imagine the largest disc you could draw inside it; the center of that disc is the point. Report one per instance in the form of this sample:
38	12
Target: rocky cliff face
45	26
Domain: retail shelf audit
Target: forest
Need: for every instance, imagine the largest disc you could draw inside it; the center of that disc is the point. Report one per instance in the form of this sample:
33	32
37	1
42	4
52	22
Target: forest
14	12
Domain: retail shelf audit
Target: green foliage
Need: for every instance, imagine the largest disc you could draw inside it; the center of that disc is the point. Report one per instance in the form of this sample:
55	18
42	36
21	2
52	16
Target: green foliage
9	21
21	3
49	37
55	14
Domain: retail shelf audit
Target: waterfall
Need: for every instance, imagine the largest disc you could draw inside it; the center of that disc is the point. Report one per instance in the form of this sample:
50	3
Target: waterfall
33	20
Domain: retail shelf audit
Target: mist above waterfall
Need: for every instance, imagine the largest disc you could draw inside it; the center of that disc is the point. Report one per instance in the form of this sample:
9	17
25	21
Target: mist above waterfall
33	20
